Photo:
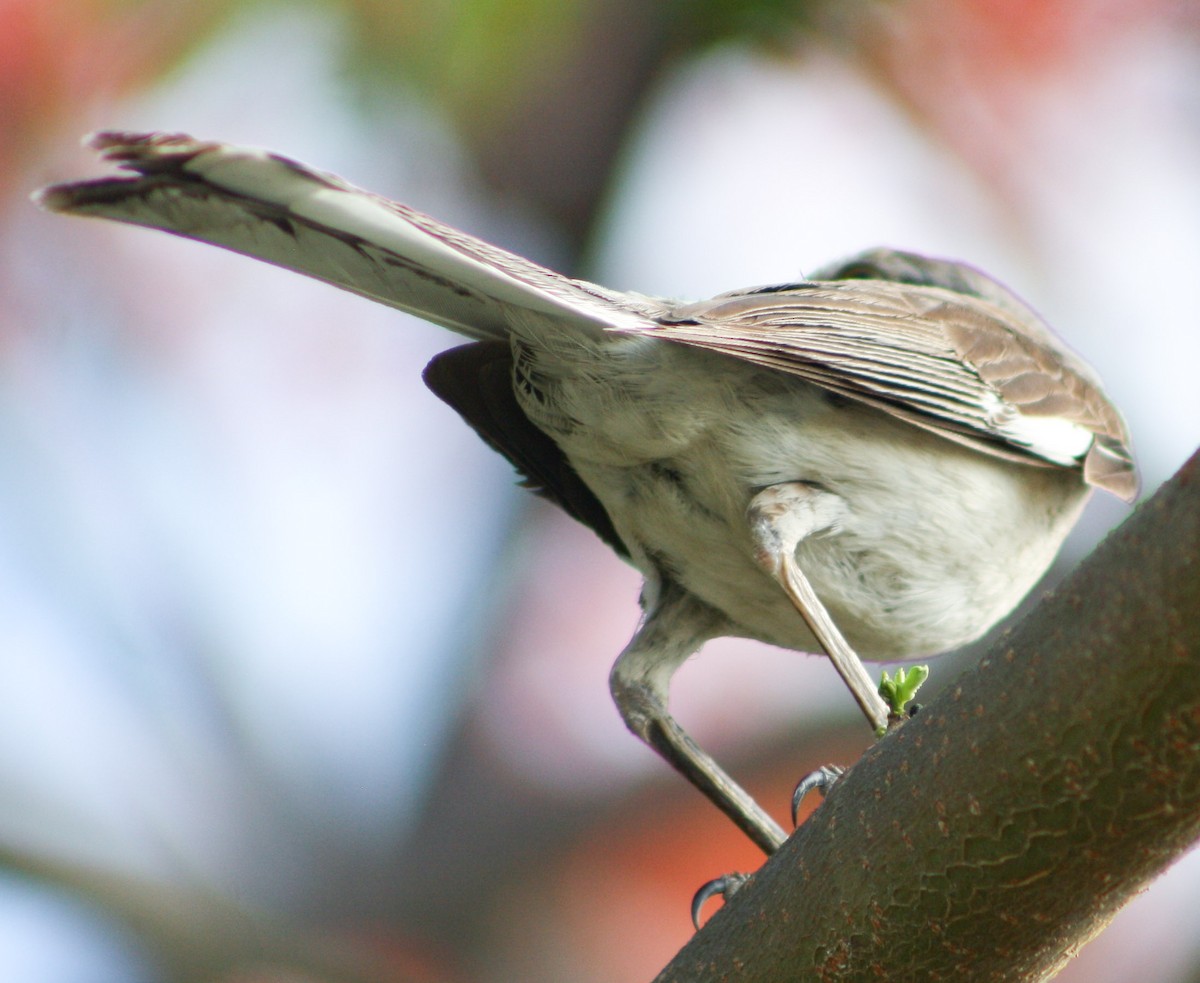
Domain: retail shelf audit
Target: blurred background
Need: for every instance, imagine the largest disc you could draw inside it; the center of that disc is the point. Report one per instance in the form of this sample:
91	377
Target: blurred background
294	682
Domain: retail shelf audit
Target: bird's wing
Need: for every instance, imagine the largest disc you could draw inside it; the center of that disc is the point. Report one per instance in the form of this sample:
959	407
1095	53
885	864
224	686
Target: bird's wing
955	364
283	212
476	380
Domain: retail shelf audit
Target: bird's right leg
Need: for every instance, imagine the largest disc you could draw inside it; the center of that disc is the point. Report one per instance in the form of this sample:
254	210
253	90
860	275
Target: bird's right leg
674	629
780	517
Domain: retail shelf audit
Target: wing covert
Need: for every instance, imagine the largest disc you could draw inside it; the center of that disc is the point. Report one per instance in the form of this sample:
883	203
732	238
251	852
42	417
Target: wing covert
957	364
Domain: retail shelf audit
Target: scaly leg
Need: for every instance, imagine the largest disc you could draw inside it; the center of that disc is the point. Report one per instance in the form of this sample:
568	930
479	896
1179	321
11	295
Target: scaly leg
676	626
780	516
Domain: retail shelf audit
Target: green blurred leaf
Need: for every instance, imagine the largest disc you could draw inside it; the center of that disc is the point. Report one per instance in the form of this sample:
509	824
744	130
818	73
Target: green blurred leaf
474	58
767	21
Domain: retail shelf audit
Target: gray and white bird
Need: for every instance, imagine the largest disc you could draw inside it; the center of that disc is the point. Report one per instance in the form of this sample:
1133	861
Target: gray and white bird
877	463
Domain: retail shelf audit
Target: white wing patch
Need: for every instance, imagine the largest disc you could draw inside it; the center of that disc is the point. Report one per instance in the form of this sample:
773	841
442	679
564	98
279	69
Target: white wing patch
1052	438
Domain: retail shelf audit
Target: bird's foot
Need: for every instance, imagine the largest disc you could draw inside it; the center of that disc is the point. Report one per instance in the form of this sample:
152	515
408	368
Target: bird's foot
726	886
820	780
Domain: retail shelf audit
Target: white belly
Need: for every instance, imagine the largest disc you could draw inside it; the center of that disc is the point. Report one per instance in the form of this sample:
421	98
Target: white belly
939	541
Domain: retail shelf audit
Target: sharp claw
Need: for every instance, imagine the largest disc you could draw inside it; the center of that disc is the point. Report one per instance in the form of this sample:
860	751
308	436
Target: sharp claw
726	886
822	779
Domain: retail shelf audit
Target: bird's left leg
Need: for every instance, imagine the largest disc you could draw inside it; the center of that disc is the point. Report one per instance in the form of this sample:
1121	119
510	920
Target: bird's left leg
675	627
780	516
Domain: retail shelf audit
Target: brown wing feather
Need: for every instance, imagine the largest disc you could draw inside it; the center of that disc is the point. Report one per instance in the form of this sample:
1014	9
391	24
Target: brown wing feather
955	363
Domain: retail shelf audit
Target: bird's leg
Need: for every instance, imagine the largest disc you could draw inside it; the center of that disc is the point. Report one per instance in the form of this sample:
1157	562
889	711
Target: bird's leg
780	516
675	627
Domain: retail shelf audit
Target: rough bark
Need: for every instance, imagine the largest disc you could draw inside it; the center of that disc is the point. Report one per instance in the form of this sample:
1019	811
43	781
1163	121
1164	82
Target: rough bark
995	833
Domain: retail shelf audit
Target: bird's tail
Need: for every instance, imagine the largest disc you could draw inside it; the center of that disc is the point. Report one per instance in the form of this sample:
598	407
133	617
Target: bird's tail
291	215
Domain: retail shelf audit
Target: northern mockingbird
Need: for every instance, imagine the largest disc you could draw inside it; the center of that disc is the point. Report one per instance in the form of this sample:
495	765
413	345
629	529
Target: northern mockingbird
877	463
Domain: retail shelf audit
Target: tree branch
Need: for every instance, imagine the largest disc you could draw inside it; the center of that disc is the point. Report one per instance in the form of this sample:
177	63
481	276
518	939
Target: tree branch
1004	826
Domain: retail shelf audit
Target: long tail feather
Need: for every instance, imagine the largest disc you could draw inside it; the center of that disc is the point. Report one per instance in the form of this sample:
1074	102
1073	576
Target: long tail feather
291	215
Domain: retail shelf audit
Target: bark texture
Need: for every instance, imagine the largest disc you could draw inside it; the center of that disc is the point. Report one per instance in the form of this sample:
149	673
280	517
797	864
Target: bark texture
992	835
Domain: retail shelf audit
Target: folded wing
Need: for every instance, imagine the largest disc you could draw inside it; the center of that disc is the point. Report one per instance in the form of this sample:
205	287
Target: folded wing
955	364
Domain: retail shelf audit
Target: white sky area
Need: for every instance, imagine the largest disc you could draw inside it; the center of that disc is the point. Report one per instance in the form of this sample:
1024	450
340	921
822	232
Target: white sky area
243	552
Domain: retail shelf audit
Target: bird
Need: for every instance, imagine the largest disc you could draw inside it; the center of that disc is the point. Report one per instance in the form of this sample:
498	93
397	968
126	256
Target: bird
876	462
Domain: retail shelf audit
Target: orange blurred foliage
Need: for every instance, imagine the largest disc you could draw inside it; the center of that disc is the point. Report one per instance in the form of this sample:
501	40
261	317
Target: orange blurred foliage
58	60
